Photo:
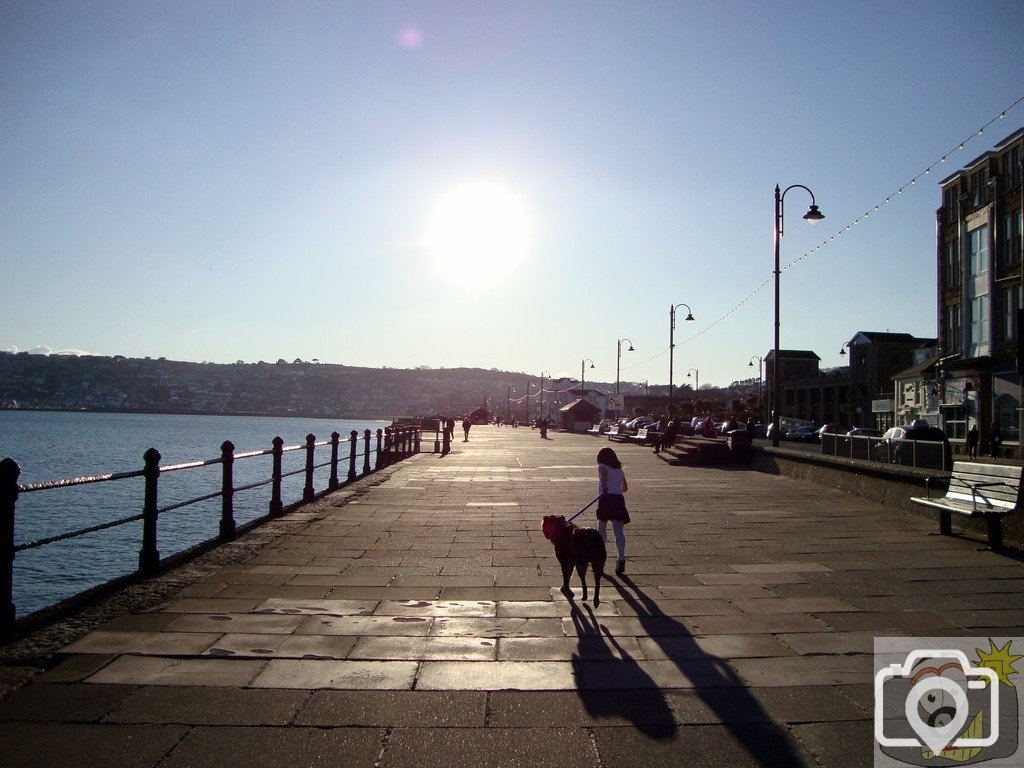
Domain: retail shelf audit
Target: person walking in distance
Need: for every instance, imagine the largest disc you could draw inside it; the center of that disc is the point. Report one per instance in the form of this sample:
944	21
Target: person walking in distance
611	481
995	439
972	441
466	424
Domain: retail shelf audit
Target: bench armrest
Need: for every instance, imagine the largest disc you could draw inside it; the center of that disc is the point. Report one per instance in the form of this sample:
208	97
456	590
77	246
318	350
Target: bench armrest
928	482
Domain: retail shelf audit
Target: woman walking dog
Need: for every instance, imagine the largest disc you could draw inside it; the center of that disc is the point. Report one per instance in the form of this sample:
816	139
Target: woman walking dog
612	506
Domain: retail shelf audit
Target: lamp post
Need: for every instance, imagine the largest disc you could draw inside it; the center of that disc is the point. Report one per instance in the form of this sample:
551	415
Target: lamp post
583	369
508	404
813	216
760	380
856	401
671	341
540	413
618	364
696	388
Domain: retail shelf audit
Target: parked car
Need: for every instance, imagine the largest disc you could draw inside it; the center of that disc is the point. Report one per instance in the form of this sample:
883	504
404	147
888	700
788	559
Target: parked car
895	439
864	432
803	434
640	422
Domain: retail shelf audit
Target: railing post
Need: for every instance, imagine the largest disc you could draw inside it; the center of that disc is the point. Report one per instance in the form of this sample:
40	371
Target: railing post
276	507
307	491
227	508
333	483
9	472
418	433
380	436
353	446
406	442
366	452
149	557
387	446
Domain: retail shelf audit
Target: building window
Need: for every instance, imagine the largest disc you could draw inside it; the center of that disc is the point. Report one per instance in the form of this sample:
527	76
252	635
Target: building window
1011	168
1010	301
1005	410
952	264
979	328
978	181
952	340
977	254
954	421
1009	242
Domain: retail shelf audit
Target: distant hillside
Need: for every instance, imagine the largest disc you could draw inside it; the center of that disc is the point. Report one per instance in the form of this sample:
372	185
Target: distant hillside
281	388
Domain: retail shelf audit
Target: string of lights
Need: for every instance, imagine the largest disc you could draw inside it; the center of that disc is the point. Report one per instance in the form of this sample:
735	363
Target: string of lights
875	209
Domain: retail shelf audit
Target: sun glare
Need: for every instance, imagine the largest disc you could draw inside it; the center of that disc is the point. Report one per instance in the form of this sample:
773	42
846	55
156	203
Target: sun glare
478	231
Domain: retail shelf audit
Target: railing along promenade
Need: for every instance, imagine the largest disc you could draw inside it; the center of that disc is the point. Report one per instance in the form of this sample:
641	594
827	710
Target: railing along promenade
393	444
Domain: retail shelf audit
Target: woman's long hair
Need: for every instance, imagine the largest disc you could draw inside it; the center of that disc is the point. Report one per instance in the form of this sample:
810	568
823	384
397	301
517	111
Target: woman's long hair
607	457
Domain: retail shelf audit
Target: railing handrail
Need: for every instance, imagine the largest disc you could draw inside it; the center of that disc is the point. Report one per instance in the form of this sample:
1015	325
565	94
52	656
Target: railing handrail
393	444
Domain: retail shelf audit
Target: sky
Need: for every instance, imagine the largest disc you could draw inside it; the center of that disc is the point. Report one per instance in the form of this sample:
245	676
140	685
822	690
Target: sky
514	185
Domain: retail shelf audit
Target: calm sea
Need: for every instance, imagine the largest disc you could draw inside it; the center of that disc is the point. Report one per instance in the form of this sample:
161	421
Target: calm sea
56	445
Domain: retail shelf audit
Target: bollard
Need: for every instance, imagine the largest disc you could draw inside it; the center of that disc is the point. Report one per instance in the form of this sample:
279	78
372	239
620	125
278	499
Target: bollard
149	557
333	483
276	507
227	509
437	441
380	435
352	448
9	472
366	452
307	491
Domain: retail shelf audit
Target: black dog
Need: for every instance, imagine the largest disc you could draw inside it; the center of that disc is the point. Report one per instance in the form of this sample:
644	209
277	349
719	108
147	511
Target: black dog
576	547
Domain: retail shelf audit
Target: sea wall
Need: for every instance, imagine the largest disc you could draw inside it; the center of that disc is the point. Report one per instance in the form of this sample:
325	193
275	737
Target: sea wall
886	484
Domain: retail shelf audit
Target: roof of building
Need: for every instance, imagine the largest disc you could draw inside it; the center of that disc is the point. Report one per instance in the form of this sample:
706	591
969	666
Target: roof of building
885	337
793	354
917	370
580	405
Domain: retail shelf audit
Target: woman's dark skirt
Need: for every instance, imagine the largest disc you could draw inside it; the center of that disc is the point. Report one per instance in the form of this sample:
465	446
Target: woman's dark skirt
612	506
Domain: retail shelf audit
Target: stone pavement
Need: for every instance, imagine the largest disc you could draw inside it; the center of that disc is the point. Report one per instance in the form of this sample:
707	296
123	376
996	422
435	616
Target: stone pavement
418	623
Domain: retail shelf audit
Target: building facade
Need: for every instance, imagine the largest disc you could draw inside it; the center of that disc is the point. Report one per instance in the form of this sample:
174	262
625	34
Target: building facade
980	291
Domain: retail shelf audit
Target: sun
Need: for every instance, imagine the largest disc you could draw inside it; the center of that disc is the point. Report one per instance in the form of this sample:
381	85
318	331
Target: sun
478	232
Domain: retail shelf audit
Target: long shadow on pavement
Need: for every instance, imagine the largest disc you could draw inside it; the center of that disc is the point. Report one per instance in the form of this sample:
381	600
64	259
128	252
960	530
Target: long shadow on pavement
612	684
715	683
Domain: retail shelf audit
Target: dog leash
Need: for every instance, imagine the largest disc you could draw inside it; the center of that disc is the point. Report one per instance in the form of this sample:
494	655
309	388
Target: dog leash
585	508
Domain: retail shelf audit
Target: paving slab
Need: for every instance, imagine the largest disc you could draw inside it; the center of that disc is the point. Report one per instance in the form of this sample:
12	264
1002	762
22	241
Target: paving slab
420	622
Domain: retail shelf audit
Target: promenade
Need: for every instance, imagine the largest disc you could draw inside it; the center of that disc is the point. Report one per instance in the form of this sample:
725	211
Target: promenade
418	622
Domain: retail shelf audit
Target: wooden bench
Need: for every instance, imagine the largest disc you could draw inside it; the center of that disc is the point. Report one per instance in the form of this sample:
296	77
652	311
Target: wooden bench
597	429
991	491
618	434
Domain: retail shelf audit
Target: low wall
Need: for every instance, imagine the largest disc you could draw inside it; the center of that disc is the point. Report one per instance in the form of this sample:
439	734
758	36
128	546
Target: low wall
891	486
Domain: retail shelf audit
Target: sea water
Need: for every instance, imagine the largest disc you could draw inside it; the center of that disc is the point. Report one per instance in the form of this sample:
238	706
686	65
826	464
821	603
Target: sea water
52	446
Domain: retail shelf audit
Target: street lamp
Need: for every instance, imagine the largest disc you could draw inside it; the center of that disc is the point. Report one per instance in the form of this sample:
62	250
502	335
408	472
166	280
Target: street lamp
618	364
671	342
760	380
583	367
813	216
540	413
696	388
508	403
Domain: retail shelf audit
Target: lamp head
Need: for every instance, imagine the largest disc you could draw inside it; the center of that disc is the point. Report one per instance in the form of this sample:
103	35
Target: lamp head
813	215
750	364
630	348
591	365
842	351
689	317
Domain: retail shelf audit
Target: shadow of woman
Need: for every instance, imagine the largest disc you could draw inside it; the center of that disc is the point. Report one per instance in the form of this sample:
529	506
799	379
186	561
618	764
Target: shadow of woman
714	682
610	682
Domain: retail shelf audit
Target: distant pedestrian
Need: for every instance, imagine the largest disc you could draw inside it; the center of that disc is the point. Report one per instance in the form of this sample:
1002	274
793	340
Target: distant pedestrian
668	437
611	484
466	424
973	436
995	439
708	430
751	426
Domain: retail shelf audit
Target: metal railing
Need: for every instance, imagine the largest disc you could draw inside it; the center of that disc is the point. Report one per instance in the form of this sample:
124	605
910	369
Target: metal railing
926	454
393	444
